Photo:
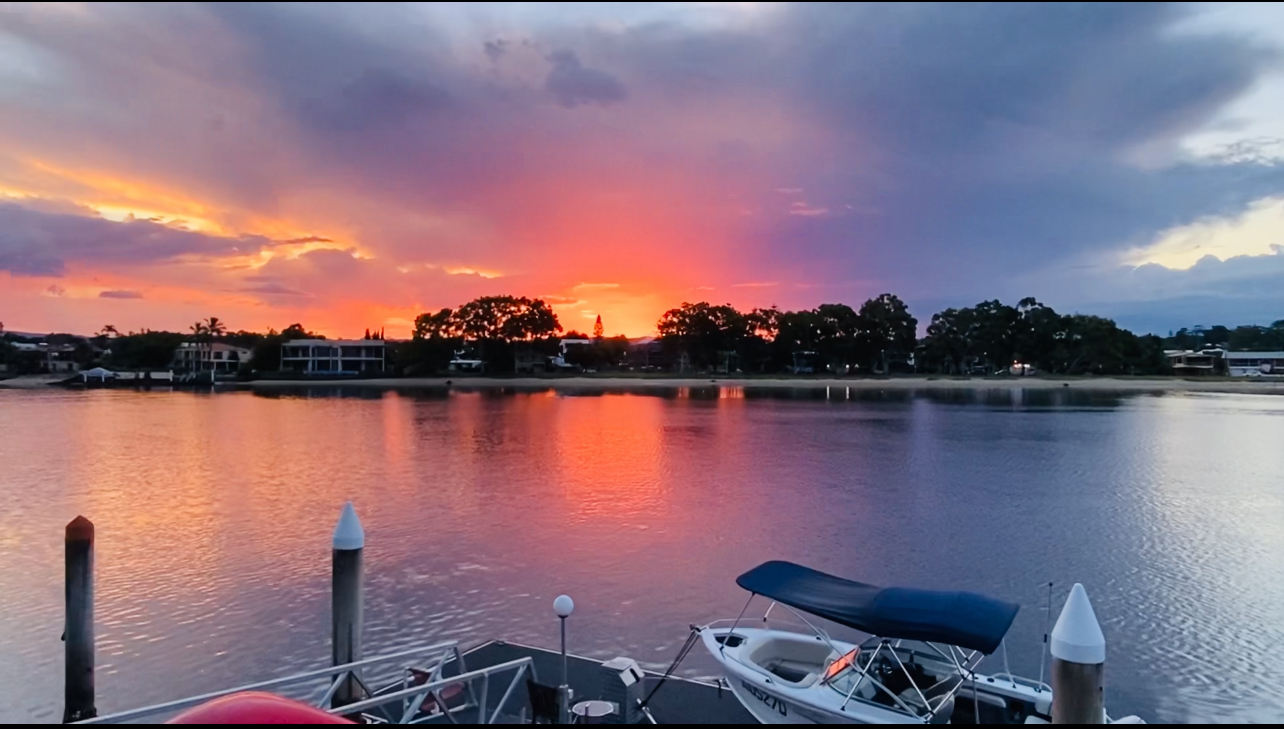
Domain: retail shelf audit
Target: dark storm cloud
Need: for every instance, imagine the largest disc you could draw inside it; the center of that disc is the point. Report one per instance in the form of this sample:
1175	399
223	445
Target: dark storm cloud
272	288
944	149
378	97
977	140
495	49
34	243
572	84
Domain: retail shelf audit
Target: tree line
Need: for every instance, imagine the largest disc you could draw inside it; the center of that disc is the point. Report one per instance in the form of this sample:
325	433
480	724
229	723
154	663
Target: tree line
882	337
1242	338
992	335
879	337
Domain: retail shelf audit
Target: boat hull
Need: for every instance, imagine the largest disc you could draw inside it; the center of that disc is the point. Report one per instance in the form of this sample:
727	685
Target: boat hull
771	708
771	702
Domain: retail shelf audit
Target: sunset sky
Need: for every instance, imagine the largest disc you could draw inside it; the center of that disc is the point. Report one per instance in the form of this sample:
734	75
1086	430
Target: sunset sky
350	166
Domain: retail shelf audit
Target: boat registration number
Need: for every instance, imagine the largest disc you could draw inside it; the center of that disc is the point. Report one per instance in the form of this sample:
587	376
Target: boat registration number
771	701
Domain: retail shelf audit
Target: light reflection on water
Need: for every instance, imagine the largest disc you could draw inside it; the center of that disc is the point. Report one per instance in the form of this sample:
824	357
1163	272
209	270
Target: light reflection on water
214	513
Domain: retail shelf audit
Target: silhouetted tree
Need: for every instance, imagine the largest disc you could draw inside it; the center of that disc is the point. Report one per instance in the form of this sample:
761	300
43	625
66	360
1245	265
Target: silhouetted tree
146	350
492	325
702	331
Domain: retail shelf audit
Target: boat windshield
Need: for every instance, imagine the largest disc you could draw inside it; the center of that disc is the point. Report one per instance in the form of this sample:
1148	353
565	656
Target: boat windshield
915	673
841	663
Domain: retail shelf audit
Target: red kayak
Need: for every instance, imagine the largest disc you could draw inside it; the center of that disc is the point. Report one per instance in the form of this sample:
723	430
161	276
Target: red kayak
255	708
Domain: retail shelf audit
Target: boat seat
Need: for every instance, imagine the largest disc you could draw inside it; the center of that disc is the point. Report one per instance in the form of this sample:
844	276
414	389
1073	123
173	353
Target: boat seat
791	671
797	661
868	692
943	715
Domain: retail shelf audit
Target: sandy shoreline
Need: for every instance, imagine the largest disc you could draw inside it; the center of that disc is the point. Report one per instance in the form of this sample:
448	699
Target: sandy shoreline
606	382
30	382
898	383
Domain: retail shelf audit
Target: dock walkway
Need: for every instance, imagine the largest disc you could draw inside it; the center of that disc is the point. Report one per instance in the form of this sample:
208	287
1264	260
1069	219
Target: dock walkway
679	700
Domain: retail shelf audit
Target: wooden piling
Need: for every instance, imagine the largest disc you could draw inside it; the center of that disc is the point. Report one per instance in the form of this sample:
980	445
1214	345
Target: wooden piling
1078	663
347	599
78	631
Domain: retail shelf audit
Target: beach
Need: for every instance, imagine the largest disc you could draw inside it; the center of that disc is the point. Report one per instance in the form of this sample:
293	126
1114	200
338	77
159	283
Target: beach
31	382
1255	386
925	382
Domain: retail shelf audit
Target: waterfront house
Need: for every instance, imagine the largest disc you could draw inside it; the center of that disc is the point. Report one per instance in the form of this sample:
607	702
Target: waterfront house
467	366
558	362
218	357
334	356
1254	364
55	358
529	360
648	354
1202	363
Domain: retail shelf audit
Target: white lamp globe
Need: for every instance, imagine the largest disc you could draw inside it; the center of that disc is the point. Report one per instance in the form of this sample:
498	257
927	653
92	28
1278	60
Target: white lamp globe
563	606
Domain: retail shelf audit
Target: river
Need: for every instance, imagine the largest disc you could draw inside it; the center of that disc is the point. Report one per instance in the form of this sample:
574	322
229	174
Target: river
214	514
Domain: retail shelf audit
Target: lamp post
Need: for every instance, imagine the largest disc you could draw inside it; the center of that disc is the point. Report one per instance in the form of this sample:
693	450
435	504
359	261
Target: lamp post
564	606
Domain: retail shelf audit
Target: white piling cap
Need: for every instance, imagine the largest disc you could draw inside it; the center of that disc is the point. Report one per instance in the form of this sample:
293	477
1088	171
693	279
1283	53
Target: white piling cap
1077	636
563	606
348	533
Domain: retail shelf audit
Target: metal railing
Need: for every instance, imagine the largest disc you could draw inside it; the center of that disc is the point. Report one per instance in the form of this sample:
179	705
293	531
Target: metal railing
406	701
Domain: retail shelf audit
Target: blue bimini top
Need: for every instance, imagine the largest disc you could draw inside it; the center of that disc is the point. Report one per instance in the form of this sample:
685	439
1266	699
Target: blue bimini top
963	619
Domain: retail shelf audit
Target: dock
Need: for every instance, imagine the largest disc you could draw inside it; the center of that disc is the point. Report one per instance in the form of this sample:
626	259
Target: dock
496	682
679	700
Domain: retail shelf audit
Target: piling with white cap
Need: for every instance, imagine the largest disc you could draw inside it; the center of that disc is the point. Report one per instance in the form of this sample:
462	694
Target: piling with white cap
563	605
1078	663
347	599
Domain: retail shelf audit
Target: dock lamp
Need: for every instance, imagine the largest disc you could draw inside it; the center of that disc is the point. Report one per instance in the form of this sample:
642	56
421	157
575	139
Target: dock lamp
564	606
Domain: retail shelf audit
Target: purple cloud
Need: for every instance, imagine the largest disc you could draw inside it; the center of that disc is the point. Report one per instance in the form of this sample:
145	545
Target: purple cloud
985	145
35	243
572	84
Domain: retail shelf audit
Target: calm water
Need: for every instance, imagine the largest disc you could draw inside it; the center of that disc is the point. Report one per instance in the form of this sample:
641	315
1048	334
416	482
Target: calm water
214	516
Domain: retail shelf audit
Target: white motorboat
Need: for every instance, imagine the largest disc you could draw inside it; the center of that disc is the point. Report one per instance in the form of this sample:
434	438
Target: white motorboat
920	666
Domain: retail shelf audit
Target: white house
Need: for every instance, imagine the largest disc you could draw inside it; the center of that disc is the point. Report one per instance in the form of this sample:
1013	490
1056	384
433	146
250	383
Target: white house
207	356
1254	364
563	347
58	358
1188	362
336	356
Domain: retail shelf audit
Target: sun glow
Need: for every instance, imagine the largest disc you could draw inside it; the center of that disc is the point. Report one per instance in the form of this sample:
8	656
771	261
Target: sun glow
1253	233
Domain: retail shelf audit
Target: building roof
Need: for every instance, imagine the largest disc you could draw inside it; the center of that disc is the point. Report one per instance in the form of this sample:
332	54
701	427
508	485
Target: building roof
1254	355
224	346
337	342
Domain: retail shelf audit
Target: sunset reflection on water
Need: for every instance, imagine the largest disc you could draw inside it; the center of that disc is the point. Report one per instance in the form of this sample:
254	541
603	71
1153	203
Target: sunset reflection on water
214	515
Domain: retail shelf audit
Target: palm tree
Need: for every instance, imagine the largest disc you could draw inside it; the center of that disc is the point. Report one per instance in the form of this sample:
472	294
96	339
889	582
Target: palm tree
214	327
201	335
109	330
206	332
